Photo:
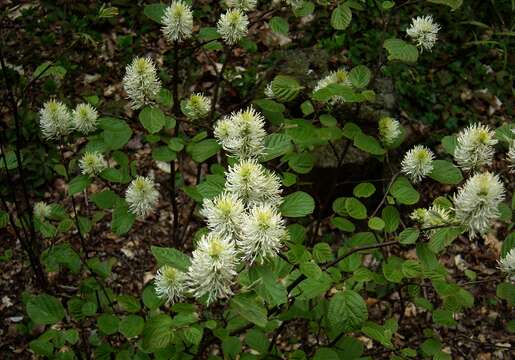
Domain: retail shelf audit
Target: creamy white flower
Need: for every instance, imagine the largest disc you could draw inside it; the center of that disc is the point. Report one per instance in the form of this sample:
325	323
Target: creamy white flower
142	196
417	163
424	31
170	284
224	215
55	120
434	216
340	76
263	234
141	82
476	204
242	133
213	268
197	106
295	4
177	21
92	163
42	210
389	130
507	265
243	5
232	26
253	183
85	118
475	147
269	92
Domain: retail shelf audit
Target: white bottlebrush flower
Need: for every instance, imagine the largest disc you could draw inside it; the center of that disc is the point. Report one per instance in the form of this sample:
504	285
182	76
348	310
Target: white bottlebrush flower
476	204
55	120
243	5
434	216
510	156
177	21
213	268
424	31
507	265
475	147
263	234
417	163
142	196
170	284
389	130
141	82
253	183
269	92
232	26
42	210
340	76
197	106
85	118
224	215
242	133
92	163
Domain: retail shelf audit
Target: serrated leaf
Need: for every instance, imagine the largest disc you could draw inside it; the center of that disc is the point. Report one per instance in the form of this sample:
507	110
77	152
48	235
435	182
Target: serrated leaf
347	310
155	12
285	88
171	256
360	76
341	17
446	172
400	50
152	119
247	307
297	204
279	25
45	309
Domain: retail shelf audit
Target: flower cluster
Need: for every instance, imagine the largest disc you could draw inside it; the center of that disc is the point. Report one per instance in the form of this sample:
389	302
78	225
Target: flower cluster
177	21
424	31
417	163
142	196
389	130
92	163
475	147
170	283
340	76
85	118
243	5
507	265
476	204
432	217
42	210
141	83
55	120
244	221
242	133
232	26
196	107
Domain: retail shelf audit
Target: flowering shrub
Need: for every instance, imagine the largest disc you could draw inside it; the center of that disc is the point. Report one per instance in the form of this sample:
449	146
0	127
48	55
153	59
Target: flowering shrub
254	250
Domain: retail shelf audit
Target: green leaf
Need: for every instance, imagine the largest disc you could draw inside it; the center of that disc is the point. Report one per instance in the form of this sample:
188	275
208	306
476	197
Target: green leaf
163	153
45	309
449	143
150	299
403	191
276	145
155	12
376	223
322	252
341	17
247	307
343	224
61	254
106	199
42	347
268	285
302	163
391	218
131	326
347	310
116	132
392	269
78	184
453	4
445	172
285	88
355	209
208	33
441	238
122	218
257	340
203	150
108	323
360	76
152	119
279	25
129	303
297	204
171	256
364	190
368	144
157	332
409	236
400	50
